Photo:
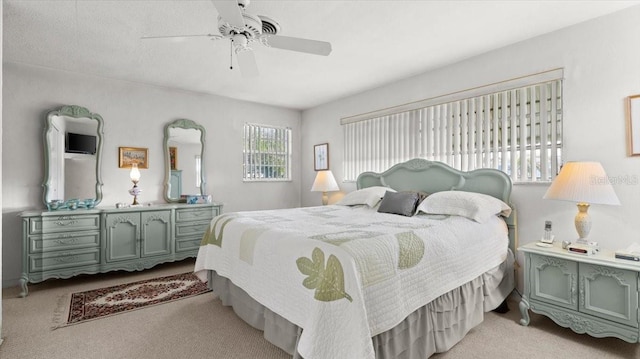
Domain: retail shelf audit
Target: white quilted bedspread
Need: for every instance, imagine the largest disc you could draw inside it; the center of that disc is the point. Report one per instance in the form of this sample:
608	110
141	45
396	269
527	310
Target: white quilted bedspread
345	274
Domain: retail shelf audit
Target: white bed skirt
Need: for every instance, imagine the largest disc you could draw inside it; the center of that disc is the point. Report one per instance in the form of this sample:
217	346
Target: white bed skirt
433	328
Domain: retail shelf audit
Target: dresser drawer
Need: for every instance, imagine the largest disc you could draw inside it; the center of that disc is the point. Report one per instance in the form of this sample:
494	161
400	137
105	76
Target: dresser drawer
191	229
63	241
63	259
188	245
196	214
41	225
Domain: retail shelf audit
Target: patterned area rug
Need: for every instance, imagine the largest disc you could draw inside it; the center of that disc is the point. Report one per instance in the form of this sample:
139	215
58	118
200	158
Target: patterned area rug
100	303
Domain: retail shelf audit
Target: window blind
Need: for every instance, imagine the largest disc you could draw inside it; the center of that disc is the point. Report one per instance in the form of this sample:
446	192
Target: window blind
266	153
516	130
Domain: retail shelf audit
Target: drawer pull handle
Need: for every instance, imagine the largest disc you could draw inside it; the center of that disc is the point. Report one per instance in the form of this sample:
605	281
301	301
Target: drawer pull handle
65	221
67	241
65	258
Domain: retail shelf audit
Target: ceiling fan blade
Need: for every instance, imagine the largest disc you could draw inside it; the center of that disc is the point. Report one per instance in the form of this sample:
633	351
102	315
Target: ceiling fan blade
181	37
296	44
247	63
230	11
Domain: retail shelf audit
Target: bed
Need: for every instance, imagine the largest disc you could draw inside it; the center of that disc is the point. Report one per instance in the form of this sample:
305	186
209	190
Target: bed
362	278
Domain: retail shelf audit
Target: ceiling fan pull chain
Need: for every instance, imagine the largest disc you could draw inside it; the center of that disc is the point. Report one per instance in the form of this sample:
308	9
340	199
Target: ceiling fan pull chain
231	55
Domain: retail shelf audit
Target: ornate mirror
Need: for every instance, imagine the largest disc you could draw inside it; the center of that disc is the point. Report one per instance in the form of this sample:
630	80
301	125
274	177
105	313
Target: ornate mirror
72	155
184	142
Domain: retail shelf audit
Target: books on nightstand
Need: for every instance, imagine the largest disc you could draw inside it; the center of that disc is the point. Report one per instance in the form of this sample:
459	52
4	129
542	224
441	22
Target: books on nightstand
631	253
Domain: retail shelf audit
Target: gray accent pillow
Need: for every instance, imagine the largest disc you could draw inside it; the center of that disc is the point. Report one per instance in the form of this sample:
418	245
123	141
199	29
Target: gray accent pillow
402	203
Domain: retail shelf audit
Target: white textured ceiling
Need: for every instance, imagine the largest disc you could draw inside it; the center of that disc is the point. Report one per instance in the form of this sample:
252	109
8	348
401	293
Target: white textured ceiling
374	42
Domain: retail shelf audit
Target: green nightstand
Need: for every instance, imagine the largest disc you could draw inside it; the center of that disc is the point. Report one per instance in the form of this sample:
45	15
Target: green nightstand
596	294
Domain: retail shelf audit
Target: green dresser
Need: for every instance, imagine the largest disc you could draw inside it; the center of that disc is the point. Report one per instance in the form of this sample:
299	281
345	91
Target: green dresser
597	294
62	244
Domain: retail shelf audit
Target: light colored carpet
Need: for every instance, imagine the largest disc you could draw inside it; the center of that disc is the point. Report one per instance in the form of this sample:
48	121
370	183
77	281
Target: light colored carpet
200	327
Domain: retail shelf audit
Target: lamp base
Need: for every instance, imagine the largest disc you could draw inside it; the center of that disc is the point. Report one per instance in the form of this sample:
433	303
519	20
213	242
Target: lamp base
583	222
325	198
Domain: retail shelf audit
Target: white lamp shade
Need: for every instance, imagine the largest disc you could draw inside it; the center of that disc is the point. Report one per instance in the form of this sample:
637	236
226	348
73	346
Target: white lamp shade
135	173
324	182
582	182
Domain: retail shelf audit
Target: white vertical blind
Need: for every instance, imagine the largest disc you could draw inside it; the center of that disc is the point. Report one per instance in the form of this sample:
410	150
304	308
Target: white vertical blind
267	153
515	130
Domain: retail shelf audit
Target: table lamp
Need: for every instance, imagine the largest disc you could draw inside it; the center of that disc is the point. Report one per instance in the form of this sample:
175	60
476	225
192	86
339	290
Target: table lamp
324	182
584	183
134	175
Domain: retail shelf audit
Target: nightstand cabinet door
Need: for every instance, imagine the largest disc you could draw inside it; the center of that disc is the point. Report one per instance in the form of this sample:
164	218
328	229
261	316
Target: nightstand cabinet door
554	280
609	293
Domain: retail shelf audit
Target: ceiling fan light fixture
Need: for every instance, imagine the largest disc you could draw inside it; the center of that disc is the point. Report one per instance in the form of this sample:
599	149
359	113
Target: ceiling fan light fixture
240	42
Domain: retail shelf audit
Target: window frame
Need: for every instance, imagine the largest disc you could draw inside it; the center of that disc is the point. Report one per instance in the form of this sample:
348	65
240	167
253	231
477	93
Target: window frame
257	144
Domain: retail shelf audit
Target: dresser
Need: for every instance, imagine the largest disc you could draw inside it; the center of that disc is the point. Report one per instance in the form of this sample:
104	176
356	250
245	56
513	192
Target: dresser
597	294
62	244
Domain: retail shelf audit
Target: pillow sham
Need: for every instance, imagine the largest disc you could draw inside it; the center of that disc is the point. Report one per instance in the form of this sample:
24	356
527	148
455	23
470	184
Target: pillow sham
476	206
369	196
402	203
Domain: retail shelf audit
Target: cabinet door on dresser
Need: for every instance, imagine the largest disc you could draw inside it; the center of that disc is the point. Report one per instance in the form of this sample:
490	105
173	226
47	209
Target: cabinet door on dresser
122	236
609	293
132	235
554	280
156	233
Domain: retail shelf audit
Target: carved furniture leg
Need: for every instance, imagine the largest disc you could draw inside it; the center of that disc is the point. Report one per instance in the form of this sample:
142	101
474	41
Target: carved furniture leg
524	310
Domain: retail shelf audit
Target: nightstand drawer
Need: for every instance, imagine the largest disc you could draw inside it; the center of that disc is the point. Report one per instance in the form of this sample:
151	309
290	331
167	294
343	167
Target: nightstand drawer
554	280
81	222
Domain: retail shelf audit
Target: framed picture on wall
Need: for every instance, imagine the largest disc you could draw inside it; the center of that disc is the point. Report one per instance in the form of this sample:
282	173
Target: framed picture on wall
131	155
633	125
321	157
173	157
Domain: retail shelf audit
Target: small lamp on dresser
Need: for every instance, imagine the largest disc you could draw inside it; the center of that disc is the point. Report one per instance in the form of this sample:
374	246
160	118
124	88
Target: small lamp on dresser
134	175
584	183
325	182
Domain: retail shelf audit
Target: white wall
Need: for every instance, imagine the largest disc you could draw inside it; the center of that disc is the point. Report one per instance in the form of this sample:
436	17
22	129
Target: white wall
600	58
1	127
134	116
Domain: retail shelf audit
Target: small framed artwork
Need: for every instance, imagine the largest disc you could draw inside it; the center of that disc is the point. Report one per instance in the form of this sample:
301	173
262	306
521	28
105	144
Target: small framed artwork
321	157
131	155
173	158
633	125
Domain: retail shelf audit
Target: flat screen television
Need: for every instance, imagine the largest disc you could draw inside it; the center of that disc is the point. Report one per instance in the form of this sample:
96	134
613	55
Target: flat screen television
77	143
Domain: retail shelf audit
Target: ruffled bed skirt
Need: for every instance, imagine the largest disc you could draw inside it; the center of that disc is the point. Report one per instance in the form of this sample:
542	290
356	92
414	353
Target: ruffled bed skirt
433	328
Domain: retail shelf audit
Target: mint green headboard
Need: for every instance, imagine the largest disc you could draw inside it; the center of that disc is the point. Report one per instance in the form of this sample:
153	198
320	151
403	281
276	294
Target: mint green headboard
431	176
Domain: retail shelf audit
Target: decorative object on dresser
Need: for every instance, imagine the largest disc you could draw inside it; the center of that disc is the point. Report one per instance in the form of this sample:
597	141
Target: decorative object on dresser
584	183
596	295
134	175
324	182
63	244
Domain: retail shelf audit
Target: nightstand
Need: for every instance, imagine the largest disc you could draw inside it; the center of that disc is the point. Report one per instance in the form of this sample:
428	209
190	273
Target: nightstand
596	294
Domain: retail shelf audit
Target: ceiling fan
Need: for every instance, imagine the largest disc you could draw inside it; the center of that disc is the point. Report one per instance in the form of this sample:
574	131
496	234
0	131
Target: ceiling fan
244	28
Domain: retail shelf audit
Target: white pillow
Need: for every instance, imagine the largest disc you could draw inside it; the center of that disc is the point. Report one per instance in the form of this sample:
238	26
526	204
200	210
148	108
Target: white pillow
477	206
369	196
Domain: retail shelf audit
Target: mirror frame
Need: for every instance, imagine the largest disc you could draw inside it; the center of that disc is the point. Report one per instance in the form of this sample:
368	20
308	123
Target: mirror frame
77	112
184	124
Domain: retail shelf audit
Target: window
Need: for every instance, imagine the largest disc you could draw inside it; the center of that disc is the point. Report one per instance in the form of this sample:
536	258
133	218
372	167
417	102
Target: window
514	126
267	153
